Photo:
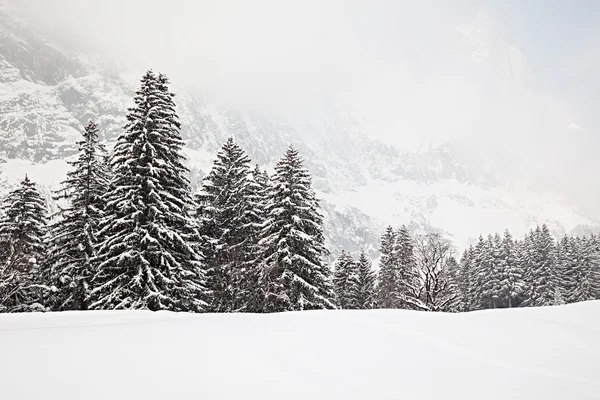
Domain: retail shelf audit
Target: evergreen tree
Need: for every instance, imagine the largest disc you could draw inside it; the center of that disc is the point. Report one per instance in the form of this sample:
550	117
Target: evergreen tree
295	276
511	276
230	218
149	258
543	268
22	230
406	276
388	278
454	302
490	271
465	279
365	292
72	239
479	263
345	281
251	294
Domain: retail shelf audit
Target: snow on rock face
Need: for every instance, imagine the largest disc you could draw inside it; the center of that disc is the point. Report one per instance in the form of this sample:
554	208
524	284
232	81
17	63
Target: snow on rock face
536	353
47	95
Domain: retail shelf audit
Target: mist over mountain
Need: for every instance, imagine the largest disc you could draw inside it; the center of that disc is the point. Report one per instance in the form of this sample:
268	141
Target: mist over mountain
445	131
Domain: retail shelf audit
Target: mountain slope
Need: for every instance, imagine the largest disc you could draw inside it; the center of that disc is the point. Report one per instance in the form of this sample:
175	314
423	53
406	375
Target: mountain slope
48	94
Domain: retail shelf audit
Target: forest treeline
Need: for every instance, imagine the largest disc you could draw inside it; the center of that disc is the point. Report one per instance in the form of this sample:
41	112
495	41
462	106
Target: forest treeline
421	272
130	234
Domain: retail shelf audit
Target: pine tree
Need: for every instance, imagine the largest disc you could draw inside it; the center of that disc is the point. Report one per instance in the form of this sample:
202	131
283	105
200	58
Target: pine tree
365	292
296	276
511	273
387	279
406	276
491	274
72	239
479	267
251	294
22	230
464	279
345	281
149	257
453	291
229	221
543	268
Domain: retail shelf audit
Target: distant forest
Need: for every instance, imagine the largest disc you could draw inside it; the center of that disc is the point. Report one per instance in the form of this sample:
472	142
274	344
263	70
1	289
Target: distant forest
130	234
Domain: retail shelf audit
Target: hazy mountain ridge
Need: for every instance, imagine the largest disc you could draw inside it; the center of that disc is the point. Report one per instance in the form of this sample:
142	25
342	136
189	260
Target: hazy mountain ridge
48	94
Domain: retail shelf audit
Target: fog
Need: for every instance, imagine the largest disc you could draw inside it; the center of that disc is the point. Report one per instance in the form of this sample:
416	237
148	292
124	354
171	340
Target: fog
415	71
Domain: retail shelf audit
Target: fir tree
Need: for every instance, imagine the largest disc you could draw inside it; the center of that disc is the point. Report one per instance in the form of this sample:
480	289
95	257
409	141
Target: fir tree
149	258
345	281
543	268
295	276
365	291
464	278
490	273
406	276
511	277
251	294
22	230
229	222
479	264
388	278
73	237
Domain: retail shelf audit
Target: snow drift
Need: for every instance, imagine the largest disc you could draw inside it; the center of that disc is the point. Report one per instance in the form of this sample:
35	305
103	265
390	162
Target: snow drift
544	353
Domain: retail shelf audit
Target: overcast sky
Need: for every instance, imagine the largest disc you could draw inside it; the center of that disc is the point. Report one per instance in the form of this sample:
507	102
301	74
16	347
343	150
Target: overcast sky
417	70
281	47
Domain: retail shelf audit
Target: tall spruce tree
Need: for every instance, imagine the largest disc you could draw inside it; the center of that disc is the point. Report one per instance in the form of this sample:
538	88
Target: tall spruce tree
407	275
149	258
250	294
365	292
345	281
72	239
543	268
22	277
229	221
295	276
465	278
387	277
490	271
511	277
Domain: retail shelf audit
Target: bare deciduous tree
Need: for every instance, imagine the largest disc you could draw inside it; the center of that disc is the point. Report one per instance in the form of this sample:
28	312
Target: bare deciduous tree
434	255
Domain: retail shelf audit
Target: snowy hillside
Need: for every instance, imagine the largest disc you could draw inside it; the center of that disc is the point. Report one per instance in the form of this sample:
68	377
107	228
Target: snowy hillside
540	353
47	95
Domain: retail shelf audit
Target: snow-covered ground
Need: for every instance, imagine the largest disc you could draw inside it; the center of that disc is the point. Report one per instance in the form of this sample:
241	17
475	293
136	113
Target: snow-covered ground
548	353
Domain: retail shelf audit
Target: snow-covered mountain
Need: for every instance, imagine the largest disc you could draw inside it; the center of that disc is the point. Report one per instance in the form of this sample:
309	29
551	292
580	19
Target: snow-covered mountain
47	94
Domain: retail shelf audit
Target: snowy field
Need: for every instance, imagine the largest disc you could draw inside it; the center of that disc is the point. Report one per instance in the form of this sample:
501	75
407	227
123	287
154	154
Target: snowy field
549	353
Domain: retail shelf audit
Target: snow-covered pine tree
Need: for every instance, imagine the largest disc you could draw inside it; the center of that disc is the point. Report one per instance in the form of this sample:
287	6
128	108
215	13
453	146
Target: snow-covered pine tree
295	276
511	272
454	303
230	216
148	258
570	272
72	238
543	272
365	293
465	277
250	296
593	245
345	281
407	275
489	268
23	281
584	277
478	264
387	277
